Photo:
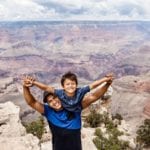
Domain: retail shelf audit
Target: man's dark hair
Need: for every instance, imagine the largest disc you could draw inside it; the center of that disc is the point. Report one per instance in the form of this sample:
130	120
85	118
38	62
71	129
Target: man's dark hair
46	94
69	75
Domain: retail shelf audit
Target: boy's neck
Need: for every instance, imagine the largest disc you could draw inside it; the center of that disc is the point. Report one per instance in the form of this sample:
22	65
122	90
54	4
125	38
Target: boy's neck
70	94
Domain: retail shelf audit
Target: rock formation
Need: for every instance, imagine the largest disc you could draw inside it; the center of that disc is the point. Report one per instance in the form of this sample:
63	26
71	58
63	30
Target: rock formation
131	99
13	135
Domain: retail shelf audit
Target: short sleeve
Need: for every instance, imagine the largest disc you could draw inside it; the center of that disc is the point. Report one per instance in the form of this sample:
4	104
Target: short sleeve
58	92
47	109
86	89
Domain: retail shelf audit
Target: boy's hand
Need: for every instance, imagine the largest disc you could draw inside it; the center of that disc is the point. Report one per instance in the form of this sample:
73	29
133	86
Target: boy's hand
28	81
109	78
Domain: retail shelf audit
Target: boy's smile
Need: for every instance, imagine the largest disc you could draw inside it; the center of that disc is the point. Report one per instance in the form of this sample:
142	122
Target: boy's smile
69	87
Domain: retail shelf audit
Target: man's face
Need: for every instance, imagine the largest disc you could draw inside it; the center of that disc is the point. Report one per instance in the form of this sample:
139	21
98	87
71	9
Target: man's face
54	102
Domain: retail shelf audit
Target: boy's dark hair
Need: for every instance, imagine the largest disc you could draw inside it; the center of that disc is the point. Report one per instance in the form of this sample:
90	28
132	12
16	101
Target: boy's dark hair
46	94
69	75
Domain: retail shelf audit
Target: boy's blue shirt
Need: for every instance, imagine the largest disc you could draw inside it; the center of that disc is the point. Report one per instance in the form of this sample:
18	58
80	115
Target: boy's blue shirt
72	104
60	119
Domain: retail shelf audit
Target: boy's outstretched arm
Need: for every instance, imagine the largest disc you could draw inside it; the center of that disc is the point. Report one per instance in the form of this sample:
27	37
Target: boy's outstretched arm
89	99
43	86
100	81
30	81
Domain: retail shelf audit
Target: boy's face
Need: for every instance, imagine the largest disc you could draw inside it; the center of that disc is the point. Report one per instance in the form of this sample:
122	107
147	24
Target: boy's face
54	102
70	87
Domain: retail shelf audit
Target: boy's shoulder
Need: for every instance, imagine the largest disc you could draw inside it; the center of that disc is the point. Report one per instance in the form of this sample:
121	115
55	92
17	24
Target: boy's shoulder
84	88
58	91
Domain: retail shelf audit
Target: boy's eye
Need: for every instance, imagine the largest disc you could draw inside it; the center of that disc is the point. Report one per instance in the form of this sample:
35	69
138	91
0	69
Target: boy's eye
68	84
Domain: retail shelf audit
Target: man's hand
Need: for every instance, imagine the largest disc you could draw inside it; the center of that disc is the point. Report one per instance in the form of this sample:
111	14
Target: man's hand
28	81
109	78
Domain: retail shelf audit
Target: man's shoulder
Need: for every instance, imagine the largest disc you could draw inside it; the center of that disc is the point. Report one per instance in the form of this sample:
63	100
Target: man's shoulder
47	109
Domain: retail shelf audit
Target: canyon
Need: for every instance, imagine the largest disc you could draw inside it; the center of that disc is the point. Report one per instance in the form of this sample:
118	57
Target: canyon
47	50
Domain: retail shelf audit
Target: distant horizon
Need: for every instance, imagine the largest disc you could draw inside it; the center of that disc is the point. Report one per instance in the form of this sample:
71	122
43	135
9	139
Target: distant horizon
75	21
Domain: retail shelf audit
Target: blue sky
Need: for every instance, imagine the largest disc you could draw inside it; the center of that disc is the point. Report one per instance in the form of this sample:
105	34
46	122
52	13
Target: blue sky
12	10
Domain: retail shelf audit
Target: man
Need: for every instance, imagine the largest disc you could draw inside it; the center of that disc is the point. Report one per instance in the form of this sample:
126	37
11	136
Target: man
65	127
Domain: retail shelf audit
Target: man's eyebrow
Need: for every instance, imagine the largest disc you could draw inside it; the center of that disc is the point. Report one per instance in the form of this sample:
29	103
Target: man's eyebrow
49	98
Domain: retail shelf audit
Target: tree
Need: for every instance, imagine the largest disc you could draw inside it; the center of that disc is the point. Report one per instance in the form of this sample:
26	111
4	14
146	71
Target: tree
143	134
36	127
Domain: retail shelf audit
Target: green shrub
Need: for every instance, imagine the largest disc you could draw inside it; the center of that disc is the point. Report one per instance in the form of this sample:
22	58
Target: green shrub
98	143
98	133
110	125
143	133
106	118
101	142
94	119
112	143
36	127
117	116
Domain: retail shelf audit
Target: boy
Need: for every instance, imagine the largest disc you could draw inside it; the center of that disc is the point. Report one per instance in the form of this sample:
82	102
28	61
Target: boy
70	95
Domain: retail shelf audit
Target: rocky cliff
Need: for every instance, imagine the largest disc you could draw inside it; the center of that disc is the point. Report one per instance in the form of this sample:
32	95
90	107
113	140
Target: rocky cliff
13	135
131	99
48	49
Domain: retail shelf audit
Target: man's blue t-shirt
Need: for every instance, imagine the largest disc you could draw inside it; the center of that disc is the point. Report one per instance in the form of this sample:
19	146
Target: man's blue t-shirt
60	118
72	104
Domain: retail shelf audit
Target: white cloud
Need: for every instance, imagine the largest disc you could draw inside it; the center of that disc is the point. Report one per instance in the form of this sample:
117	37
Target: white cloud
24	10
74	10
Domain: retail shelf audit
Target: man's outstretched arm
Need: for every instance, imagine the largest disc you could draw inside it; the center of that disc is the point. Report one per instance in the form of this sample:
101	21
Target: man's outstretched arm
31	101
89	99
97	83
